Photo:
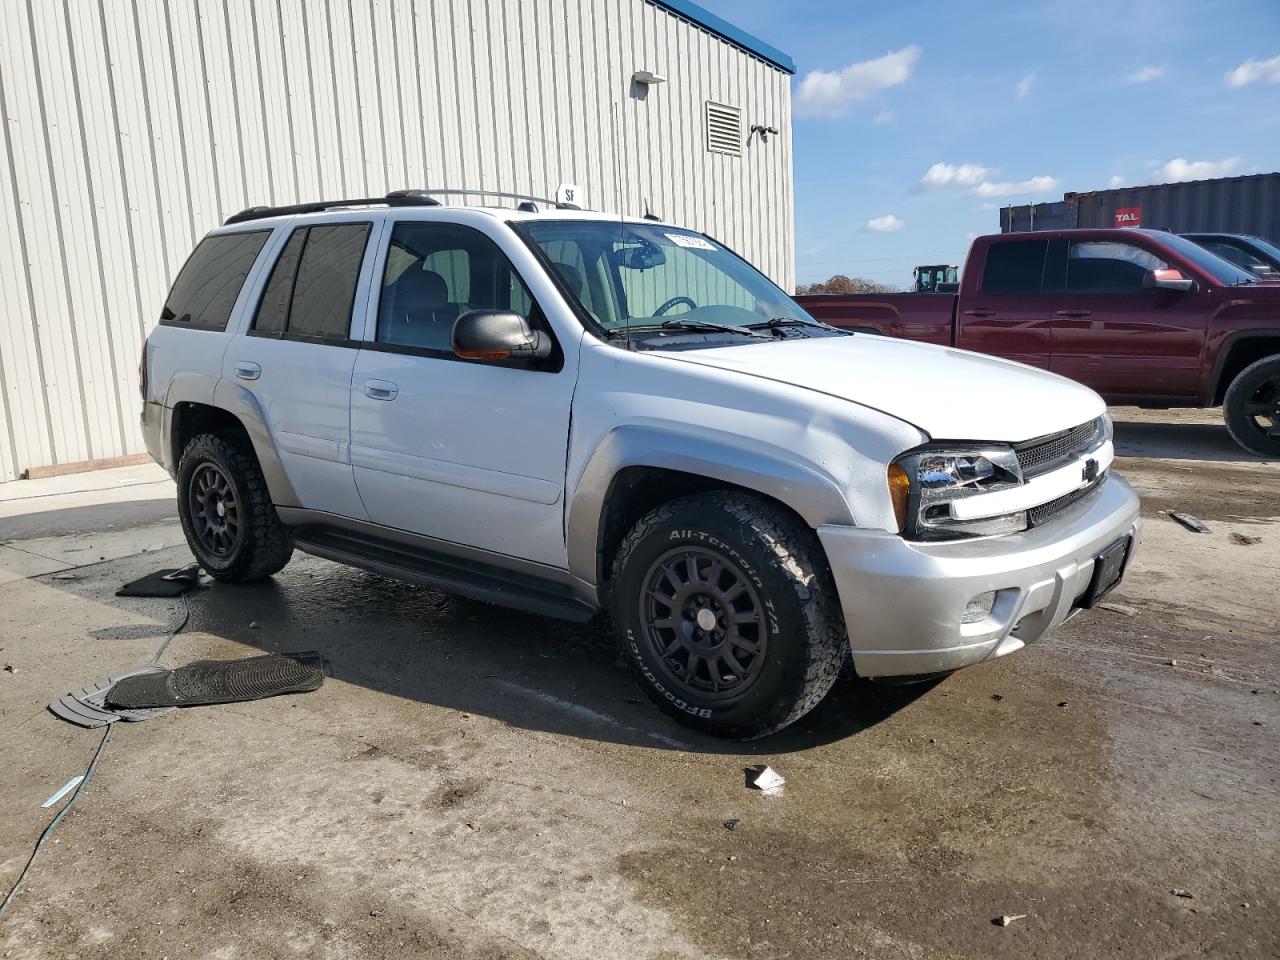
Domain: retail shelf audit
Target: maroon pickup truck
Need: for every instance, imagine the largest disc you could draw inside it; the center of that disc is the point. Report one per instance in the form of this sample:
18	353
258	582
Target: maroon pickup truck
1141	316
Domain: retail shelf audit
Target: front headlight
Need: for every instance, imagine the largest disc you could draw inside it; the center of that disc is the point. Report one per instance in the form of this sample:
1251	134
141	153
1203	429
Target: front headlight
925	483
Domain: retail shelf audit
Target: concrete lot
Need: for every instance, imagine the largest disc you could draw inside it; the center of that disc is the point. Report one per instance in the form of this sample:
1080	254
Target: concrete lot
477	783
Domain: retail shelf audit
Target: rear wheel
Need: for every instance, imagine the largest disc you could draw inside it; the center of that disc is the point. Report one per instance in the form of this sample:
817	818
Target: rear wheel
227	515
1252	407
726	611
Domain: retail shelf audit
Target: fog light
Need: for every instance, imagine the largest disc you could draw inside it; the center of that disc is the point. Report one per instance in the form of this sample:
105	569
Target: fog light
979	607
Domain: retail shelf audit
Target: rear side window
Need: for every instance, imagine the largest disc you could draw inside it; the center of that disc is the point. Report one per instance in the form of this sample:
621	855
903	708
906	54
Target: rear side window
1014	266
312	287
210	280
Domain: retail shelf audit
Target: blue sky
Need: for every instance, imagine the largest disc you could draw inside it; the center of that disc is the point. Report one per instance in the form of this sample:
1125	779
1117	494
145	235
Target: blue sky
922	117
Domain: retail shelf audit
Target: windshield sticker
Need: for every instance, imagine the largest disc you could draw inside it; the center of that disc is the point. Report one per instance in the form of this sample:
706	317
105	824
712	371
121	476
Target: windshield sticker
689	241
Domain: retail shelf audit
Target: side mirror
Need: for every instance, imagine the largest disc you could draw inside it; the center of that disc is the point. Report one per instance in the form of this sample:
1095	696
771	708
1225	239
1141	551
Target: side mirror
498	335
1168	279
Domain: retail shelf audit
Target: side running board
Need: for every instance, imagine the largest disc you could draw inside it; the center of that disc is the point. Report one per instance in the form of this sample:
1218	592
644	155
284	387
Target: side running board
467	578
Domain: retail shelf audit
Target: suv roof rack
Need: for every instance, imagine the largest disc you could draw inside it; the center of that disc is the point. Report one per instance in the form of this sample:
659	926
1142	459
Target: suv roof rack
396	198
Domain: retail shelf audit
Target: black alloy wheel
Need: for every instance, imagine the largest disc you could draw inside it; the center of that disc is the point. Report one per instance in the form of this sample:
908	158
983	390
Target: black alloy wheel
215	512
703	620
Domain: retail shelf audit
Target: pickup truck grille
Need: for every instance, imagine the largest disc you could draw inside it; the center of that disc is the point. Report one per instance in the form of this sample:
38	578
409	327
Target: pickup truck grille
1045	453
1047	511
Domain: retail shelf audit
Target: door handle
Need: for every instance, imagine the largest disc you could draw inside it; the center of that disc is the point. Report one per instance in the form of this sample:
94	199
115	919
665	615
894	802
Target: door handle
380	390
248	370
980	312
1073	314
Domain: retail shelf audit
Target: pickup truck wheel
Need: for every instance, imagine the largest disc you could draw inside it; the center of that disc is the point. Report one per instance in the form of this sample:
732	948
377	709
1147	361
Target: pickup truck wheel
1252	407
726	612
227	515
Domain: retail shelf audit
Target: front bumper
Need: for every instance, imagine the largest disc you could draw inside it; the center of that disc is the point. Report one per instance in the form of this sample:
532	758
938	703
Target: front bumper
903	599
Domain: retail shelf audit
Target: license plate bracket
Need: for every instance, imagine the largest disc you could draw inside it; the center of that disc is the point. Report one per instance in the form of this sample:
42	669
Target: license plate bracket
1108	571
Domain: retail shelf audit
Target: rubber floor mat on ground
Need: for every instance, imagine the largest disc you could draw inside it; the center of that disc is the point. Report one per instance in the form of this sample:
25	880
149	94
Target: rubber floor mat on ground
221	681
163	583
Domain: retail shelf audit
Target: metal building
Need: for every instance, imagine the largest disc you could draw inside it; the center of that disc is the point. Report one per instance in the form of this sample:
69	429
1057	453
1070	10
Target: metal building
1249	204
133	126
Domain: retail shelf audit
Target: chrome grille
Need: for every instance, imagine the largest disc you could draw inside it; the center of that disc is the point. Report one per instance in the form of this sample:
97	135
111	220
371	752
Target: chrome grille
1047	511
1042	455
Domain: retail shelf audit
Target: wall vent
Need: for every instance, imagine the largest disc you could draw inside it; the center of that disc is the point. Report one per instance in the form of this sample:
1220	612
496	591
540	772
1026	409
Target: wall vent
724	129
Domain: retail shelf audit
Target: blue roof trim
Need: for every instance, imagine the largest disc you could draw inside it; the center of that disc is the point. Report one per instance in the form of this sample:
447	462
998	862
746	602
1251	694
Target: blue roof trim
723	28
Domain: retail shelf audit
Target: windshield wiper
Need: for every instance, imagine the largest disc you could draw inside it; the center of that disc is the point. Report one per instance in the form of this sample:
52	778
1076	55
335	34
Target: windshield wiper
708	326
778	323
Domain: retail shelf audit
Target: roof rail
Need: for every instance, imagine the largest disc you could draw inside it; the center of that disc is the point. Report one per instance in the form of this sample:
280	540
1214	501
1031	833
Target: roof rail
523	197
397	198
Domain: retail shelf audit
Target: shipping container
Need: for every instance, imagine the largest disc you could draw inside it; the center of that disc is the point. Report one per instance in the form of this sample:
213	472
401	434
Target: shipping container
1248	205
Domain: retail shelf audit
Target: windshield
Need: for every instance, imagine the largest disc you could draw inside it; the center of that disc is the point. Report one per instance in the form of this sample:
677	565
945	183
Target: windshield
1267	249
633	277
1223	271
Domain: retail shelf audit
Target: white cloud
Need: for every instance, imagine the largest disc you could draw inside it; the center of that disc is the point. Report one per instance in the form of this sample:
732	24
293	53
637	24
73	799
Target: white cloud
953	175
886	224
1254	71
1116	181
1180	169
830	93
1016	188
883	117
1024	85
1144	74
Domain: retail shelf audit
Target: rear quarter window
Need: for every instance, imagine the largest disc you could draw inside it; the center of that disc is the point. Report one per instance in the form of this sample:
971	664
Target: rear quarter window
210	281
1014	266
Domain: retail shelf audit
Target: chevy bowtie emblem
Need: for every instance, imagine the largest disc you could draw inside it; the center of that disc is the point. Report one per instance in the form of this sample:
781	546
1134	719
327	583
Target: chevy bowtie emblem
1090	471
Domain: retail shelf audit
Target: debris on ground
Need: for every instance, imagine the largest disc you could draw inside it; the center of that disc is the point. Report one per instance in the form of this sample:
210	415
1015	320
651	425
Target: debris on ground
765	779
66	788
1185	894
1244	539
1005	919
10	668
997	697
1119	608
1063	703
732	824
1188	521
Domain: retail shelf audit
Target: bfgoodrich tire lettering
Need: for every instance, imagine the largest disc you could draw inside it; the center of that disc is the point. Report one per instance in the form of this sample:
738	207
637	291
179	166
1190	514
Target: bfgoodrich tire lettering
745	596
219	479
1252	407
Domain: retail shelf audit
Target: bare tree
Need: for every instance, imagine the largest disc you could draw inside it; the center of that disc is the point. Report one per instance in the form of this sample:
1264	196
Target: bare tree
842	284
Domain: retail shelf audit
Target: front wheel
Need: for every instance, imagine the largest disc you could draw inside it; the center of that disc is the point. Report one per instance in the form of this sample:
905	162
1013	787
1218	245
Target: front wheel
1252	407
727	614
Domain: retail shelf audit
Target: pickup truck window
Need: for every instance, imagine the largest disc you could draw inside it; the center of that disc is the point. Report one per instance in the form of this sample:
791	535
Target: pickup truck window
312	286
436	272
209	282
1109	267
1014	266
1222	271
638	277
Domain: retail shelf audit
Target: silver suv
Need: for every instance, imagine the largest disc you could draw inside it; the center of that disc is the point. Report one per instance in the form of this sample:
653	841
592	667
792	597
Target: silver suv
563	412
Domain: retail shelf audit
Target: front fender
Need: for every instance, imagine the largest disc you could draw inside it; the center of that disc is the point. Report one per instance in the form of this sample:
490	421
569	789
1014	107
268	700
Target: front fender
771	471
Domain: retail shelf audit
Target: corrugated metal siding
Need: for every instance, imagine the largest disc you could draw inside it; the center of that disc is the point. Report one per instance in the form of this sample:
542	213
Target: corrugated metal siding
133	126
1249	204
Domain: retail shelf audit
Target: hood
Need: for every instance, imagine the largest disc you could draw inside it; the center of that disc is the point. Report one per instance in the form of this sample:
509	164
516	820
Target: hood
949	394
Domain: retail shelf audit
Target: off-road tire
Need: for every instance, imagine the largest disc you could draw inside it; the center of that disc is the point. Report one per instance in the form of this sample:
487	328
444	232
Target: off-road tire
1240	423
262	544
784	562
